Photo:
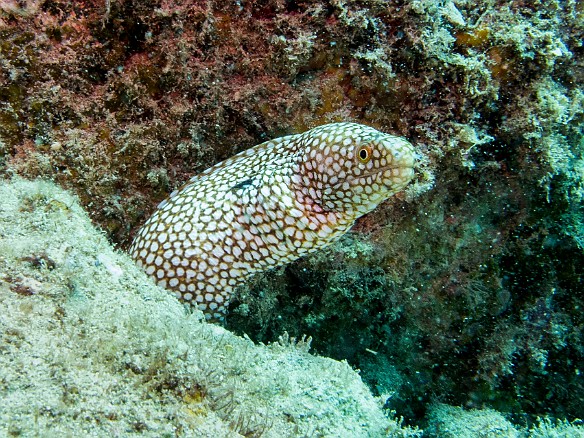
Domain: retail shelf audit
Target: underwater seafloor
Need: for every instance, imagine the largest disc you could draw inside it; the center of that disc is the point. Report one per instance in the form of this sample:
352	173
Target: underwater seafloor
452	310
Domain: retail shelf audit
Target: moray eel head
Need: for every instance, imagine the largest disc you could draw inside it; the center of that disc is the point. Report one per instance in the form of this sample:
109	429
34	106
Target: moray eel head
355	168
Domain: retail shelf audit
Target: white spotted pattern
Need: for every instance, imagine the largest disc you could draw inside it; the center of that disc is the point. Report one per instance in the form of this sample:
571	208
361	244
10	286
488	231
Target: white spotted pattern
267	206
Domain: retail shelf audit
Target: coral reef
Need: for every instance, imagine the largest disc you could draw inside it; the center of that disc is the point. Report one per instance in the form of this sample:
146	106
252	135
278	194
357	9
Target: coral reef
89	346
467	288
454	422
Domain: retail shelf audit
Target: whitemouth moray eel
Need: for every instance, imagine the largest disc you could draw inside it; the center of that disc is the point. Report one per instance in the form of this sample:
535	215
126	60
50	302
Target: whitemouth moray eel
267	206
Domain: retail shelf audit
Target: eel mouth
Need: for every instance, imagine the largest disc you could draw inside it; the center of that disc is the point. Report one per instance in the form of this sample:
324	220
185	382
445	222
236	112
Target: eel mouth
381	170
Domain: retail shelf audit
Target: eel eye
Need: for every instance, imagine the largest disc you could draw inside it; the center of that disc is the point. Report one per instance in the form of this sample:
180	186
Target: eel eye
364	154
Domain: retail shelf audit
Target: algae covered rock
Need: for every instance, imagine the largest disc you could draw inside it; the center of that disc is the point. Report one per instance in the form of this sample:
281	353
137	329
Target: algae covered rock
90	346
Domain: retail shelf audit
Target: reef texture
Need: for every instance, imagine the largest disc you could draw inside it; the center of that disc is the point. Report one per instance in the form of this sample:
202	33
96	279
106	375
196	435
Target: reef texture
90	347
467	288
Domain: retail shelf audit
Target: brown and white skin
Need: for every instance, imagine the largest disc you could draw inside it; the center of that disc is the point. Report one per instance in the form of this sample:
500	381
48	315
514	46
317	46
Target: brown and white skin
266	207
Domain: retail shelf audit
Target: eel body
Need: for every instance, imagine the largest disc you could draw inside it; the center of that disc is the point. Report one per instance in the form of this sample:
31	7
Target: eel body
267	206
